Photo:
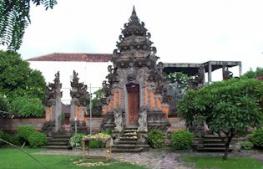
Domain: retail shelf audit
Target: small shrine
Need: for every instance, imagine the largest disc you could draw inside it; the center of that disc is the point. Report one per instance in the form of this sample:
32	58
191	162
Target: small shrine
135	86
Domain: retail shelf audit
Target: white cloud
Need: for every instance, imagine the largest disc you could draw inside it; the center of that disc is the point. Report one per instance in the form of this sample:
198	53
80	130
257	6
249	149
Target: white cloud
182	31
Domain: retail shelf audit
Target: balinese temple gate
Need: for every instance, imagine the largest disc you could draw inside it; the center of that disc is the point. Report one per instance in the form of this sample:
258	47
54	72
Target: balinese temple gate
135	88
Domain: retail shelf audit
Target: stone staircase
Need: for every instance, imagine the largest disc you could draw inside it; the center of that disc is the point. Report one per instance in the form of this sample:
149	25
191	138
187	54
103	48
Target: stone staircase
129	142
58	141
210	143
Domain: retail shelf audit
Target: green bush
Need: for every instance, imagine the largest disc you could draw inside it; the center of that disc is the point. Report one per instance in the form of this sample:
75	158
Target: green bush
246	145
27	106
181	140
37	139
156	138
1	136
257	138
75	140
96	144
11	138
24	132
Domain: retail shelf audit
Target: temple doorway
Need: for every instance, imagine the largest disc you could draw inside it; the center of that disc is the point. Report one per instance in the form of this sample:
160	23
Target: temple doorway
133	104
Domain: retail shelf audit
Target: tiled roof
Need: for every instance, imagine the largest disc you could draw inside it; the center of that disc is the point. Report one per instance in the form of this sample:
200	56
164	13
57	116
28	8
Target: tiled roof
74	57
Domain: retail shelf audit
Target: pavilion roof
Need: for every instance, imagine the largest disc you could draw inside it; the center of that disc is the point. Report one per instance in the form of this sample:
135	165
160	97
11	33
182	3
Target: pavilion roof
74	57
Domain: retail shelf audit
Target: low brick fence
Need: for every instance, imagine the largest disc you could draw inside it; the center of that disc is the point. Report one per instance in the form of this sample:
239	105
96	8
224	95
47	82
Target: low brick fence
12	124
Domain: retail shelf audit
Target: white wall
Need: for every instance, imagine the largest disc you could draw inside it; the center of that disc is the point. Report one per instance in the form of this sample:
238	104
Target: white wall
89	72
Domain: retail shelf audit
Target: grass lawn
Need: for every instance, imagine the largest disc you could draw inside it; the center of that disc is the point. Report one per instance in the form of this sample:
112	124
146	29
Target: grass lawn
205	162
14	159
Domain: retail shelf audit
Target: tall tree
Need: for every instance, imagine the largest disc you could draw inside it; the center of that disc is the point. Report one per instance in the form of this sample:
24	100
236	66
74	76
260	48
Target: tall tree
229	107
21	86
15	17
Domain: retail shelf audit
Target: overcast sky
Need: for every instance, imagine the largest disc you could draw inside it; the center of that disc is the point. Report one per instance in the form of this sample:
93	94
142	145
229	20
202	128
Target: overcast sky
182	30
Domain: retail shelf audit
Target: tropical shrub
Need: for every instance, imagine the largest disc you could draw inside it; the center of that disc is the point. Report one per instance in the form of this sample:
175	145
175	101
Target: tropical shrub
27	107
229	107
25	131
246	145
257	138
75	140
11	138
156	138
181	140
37	139
96	144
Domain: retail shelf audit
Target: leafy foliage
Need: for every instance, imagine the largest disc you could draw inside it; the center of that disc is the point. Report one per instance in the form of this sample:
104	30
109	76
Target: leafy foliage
10	137
17	79
181	140
22	89
96	144
257	137
24	132
15	17
27	106
156	138
75	140
37	139
228	107
253	74
4	104
97	103
31	136
246	145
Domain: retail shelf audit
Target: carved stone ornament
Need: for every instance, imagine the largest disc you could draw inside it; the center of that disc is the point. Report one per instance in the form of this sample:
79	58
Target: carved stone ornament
143	120
53	91
79	91
118	120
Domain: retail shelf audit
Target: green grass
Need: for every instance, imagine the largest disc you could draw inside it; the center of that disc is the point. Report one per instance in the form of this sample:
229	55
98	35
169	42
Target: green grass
14	159
204	162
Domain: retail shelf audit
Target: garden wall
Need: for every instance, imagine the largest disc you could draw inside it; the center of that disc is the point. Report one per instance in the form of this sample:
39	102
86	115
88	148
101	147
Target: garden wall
12	124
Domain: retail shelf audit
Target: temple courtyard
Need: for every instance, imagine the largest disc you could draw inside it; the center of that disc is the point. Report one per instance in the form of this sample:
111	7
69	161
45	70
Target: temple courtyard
154	159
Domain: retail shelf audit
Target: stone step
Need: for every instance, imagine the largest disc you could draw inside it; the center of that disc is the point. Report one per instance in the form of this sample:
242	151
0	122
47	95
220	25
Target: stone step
65	147
212	140
57	143
126	142
128	139
57	139
122	150
125	146
214	145
213	149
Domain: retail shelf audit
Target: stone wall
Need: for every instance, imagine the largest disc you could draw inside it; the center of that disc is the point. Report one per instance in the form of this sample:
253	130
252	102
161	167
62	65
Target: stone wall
176	123
12	124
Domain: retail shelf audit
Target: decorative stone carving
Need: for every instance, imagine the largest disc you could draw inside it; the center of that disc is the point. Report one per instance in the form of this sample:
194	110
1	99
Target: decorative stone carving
79	99
53	103
142	120
118	120
79	91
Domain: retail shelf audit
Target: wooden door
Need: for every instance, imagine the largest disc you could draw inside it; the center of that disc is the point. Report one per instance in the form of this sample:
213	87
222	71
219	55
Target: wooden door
133	103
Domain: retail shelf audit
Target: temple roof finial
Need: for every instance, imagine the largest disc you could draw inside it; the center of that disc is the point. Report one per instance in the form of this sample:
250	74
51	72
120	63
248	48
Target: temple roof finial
133	10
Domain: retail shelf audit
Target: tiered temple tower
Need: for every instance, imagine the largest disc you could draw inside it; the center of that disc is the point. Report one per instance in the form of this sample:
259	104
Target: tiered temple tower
135	84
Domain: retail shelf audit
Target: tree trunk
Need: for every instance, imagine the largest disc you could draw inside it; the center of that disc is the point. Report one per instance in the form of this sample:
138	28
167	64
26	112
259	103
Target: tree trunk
229	139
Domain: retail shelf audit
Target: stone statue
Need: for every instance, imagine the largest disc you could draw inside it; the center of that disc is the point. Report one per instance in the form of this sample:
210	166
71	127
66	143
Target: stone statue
142	120
118	120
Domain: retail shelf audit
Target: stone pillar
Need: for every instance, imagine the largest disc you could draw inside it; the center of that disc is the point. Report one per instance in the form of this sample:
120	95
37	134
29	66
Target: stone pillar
209	73
58	114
